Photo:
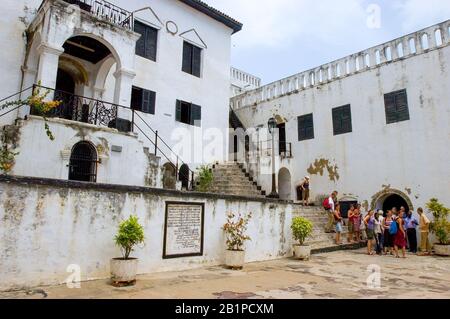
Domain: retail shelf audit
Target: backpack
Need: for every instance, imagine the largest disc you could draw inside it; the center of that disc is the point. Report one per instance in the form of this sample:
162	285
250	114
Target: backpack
326	204
393	229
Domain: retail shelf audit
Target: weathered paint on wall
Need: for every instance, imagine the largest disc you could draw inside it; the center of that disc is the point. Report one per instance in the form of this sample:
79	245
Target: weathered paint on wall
48	225
412	156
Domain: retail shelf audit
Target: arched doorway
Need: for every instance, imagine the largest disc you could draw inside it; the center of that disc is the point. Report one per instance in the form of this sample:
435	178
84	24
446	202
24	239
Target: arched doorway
390	198
183	176
65	89
169	176
83	163
284	184
396	201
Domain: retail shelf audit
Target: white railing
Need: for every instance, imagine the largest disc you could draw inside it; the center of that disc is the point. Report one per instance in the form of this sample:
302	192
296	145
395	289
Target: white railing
419	42
244	78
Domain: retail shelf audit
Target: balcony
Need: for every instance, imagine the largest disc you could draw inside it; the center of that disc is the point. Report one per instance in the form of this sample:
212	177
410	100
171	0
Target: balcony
105	11
85	110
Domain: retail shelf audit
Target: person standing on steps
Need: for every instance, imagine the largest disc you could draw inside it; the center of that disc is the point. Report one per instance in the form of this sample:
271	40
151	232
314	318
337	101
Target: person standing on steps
338	221
305	186
329	205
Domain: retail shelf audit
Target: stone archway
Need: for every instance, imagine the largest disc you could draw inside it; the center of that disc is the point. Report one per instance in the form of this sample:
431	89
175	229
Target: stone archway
284	184
391	197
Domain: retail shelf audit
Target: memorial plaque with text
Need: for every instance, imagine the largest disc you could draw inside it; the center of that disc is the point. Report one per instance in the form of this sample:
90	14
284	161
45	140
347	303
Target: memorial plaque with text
183	230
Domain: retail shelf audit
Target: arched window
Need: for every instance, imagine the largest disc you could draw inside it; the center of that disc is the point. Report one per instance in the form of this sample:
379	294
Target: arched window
425	42
388	53
400	50
438	36
412	46
83	163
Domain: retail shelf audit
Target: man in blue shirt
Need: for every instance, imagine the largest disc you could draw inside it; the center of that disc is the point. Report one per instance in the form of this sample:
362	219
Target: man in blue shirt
410	225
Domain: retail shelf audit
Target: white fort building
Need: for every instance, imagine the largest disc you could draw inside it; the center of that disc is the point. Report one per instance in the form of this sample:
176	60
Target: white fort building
146	97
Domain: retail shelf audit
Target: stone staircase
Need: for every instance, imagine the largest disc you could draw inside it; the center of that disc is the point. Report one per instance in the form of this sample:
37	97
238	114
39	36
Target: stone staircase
231	178
321	241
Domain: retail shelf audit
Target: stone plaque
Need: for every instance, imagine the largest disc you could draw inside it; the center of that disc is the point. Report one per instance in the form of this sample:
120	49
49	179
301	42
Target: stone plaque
183	230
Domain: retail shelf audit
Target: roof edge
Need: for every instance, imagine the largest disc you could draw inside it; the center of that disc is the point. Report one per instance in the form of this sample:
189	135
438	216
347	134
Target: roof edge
201	6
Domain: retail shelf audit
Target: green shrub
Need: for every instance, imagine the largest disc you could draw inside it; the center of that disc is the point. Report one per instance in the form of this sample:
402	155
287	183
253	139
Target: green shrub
205	179
440	226
129	235
301	229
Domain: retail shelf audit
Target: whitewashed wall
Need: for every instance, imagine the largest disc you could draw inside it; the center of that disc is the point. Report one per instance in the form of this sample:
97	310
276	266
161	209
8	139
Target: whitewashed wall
45	229
38	156
412	156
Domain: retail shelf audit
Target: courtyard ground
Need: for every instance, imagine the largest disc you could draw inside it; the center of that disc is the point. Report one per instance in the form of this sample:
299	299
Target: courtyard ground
341	274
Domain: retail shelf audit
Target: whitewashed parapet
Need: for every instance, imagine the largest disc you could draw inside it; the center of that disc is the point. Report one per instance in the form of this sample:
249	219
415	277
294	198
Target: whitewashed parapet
244	77
419	42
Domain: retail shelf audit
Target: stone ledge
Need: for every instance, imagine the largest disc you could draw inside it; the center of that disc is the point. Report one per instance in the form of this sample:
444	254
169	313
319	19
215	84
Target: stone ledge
38	181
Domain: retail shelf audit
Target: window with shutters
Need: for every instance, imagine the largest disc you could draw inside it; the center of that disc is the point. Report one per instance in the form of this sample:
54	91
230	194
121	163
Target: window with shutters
192	58
342	120
188	113
305	127
146	46
396	105
143	100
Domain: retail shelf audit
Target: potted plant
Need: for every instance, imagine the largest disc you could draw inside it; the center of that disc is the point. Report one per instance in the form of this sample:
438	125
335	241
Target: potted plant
124	269
440	227
301	229
235	229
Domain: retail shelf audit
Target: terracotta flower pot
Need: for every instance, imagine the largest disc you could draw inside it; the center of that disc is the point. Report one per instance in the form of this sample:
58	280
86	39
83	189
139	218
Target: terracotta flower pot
123	271
302	252
235	259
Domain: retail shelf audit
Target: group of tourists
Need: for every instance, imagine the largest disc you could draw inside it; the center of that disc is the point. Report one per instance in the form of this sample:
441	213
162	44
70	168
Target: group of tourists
385	232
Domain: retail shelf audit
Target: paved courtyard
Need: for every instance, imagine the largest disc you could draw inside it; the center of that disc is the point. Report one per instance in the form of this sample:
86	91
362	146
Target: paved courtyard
334	275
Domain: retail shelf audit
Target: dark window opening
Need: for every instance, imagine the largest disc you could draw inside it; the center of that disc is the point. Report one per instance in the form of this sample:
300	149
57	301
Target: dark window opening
305	127
83	163
342	120
143	100
183	176
146	46
282	138
395	201
191	59
188	113
396	105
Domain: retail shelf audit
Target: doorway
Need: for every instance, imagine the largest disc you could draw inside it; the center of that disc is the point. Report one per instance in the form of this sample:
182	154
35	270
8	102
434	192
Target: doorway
183	176
282	138
284	184
396	201
64	92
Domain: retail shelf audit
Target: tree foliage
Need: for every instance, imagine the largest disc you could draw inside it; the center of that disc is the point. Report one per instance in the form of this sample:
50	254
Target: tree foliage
130	234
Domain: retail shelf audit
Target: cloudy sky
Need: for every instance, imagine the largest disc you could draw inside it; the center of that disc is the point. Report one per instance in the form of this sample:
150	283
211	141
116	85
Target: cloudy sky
283	37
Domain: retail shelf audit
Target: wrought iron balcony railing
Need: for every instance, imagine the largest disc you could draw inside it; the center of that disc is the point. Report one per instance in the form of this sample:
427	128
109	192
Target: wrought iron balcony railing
106	11
82	109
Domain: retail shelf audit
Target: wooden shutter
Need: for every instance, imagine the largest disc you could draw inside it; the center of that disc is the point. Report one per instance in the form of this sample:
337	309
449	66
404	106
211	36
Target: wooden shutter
305	127
140	44
196	60
178	111
401	104
151	43
148	101
389	103
196	115
342	120
187	57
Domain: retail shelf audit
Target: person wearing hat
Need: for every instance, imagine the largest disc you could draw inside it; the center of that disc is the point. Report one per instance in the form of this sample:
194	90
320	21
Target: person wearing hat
305	186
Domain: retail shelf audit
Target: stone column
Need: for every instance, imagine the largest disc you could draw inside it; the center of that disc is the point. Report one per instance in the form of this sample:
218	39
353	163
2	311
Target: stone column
48	65
28	80
122	92
445	35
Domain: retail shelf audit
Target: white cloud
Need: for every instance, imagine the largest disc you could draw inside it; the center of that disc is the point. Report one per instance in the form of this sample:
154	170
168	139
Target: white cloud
416	14
269	23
